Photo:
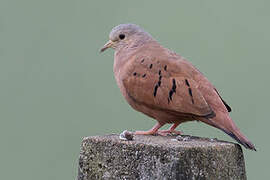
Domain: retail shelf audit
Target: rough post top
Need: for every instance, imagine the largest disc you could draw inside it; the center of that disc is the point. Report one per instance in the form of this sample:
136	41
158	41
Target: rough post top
158	157
170	142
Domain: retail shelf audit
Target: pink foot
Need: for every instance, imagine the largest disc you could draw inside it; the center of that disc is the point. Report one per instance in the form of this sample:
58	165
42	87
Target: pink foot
151	131
168	131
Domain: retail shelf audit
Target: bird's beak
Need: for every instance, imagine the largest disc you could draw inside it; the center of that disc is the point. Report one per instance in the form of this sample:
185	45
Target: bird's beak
106	46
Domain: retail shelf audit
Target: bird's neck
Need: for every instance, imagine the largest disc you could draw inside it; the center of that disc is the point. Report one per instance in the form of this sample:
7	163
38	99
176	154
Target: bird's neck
123	52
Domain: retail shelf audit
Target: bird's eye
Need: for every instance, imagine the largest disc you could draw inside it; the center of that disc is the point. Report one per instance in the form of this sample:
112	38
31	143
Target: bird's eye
122	36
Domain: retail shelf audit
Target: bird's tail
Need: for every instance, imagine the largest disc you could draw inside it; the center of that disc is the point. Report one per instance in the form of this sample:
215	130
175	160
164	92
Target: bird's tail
230	128
239	137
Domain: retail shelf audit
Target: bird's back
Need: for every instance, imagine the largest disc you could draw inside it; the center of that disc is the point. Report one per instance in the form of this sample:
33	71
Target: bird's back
171	64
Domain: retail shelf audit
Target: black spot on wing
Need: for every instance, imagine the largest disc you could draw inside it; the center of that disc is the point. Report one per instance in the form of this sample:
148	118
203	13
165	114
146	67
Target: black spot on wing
159	78
151	65
165	68
155	90
134	74
174	85
143	75
187	83
173	90
190	93
170	95
158	84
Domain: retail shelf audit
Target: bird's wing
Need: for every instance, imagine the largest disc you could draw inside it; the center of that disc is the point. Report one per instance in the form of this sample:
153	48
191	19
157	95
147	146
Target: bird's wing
157	84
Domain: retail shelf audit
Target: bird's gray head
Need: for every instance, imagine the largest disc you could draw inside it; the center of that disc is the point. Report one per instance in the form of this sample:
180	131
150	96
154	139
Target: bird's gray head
124	35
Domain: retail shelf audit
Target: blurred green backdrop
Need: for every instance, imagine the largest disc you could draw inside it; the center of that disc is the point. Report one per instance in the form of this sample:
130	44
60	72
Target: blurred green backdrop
56	87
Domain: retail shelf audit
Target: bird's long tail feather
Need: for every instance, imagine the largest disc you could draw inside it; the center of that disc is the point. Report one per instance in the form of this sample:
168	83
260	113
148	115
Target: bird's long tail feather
231	129
240	138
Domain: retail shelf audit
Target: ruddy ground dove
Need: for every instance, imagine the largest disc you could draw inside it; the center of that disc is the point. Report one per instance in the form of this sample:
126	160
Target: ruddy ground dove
165	86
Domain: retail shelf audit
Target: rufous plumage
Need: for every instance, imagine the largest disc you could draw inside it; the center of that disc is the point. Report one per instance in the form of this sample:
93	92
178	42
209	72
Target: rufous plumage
165	86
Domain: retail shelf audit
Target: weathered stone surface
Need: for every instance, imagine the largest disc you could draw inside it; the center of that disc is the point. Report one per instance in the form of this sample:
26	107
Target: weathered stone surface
157	157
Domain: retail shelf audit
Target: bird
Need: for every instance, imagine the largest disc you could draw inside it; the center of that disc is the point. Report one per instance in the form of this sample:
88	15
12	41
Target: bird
165	86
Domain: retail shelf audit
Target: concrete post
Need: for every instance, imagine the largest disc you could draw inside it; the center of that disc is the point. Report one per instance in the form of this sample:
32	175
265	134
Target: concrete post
157	157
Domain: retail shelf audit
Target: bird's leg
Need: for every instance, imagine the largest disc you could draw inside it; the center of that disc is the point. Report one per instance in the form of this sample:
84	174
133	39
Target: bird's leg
151	131
170	130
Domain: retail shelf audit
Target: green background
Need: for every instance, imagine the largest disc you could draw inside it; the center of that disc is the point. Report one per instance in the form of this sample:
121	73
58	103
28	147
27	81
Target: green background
56	87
